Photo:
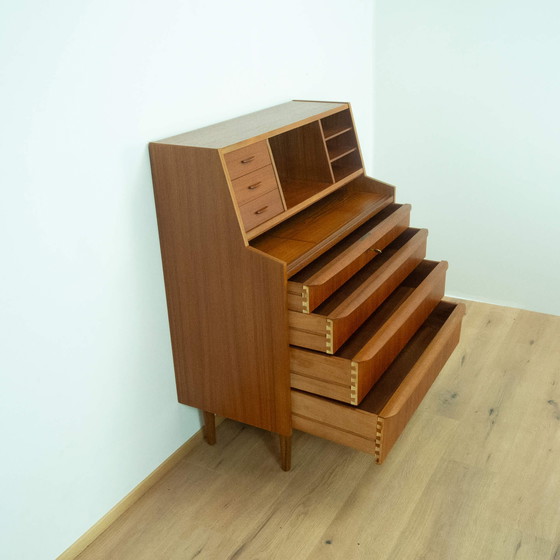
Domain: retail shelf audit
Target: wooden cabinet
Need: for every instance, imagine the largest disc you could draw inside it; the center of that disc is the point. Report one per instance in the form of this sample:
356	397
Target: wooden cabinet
298	294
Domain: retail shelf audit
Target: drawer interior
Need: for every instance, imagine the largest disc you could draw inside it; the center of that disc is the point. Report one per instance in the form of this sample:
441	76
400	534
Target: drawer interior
319	279
334	302
375	424
385	391
357	344
364	357
330	324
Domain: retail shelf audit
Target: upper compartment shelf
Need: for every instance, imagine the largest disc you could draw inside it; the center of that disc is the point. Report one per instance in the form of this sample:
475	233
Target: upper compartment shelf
302	163
342	144
336	124
312	161
306	149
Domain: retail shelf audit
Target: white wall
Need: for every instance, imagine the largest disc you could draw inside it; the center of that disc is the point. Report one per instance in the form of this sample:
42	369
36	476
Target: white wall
88	397
467	126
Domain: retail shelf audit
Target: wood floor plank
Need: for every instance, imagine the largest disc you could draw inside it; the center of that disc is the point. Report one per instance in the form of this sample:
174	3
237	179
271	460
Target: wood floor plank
454	518
484	330
371	519
475	475
308	503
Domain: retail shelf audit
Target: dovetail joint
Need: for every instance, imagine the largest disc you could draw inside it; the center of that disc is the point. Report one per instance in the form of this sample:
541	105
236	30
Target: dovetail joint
305	299
329	336
378	439
354	383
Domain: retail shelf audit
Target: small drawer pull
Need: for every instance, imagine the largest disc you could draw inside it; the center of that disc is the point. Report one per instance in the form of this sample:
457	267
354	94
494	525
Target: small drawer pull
255	186
261	210
376	250
248	160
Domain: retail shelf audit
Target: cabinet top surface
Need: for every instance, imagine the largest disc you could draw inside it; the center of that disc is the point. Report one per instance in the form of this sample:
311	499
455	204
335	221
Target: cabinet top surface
254	125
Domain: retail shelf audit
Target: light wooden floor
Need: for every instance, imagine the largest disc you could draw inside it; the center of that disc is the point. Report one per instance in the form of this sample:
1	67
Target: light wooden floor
476	474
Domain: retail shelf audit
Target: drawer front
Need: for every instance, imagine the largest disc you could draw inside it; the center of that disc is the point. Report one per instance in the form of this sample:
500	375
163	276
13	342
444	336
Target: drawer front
261	209
247	159
314	284
377	422
363	360
330	325
254	184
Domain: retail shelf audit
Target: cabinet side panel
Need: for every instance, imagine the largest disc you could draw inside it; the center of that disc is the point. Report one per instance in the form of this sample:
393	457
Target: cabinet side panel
226	302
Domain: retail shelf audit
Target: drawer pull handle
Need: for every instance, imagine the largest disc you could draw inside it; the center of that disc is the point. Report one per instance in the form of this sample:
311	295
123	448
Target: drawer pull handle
248	160
261	210
255	186
376	250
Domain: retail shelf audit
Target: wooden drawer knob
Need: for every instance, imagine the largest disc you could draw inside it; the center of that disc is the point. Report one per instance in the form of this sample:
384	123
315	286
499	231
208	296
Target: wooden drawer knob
261	210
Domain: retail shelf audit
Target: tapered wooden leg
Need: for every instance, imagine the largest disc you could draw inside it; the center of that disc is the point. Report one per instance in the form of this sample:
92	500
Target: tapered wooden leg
286	452
209	427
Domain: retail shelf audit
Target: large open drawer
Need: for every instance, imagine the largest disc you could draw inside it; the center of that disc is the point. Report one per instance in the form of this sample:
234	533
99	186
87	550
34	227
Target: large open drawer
350	373
377	422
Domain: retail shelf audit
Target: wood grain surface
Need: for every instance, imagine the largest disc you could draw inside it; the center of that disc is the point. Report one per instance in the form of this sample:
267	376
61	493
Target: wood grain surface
393	399
226	301
364	357
473	476
239	131
342	313
251	186
247	159
303	238
300	155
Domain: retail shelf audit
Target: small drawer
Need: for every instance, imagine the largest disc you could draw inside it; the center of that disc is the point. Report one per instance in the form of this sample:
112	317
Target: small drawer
329	325
316	282
254	184
351	372
247	159
377	422
261	209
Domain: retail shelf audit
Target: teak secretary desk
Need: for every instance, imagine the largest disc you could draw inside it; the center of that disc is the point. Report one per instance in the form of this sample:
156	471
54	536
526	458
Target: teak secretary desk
298	295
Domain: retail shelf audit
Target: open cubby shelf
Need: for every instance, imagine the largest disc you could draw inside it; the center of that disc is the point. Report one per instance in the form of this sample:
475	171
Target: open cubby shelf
340	151
346	165
310	161
302	163
337	124
334	132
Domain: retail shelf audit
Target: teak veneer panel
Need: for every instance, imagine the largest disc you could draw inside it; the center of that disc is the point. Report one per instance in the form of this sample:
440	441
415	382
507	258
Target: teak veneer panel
297	191
254	184
247	159
255	126
260	209
226	301
300	155
376	423
316	229
337	123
